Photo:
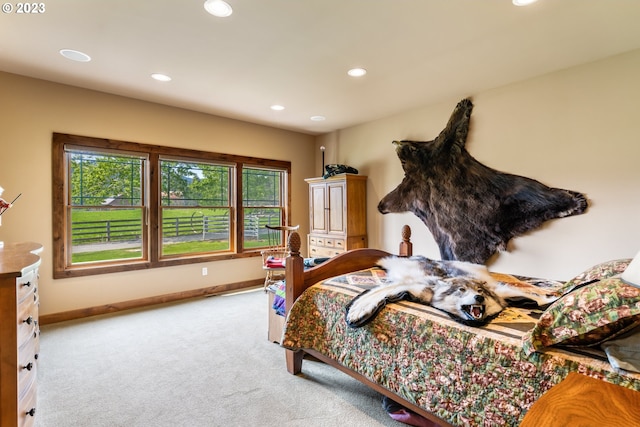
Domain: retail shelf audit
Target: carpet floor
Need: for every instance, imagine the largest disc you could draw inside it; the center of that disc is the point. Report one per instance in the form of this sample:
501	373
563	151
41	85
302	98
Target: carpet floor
203	362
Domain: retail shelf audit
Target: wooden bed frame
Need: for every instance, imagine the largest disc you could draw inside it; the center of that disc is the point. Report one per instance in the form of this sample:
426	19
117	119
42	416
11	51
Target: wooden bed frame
297	280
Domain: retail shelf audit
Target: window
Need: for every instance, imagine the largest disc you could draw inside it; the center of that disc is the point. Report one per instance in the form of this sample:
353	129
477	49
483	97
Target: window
106	208
262	203
195	207
121	205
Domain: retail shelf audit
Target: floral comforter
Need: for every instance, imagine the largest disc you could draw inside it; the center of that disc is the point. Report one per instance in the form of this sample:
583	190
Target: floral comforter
467	376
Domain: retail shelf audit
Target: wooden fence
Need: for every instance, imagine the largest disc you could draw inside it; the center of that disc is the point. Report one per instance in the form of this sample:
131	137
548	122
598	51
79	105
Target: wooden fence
211	227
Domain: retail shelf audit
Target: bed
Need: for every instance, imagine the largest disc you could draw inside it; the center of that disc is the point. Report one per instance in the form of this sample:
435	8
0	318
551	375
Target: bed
449	373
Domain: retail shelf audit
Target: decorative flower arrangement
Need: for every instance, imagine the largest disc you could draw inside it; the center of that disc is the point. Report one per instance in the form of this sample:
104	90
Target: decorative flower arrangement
4	205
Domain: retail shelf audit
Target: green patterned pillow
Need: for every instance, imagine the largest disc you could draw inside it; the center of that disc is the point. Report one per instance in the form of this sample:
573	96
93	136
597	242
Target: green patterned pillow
597	272
587	316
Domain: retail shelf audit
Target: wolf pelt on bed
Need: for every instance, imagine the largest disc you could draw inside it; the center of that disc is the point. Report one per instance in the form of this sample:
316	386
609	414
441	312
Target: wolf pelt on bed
465	291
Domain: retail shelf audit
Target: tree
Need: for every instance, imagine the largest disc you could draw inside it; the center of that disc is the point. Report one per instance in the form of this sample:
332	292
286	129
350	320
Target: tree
261	187
211	185
95	178
175	182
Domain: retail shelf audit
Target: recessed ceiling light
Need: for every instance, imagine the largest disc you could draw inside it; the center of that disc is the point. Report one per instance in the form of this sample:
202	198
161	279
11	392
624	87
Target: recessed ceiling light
75	55
523	2
161	77
218	8
357	72
277	107
318	118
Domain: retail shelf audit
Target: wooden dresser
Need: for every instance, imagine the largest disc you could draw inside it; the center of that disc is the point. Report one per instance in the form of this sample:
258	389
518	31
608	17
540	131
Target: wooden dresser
19	332
337	214
583	401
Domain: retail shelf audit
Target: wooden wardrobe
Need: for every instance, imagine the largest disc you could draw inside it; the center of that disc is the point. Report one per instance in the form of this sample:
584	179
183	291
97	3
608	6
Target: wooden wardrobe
337	214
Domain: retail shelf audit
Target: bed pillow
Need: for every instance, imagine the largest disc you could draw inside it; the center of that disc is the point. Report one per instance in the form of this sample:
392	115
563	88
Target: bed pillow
587	316
624	352
597	272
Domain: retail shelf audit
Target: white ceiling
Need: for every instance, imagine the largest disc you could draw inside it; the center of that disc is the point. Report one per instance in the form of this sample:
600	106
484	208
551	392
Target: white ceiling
296	52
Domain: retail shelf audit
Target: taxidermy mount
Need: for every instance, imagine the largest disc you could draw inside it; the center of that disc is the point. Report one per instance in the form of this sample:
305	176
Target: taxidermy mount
471	210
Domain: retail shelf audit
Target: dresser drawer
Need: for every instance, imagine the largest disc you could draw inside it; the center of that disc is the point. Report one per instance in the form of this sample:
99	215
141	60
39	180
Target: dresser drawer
27	321
27	405
27	362
27	285
28	332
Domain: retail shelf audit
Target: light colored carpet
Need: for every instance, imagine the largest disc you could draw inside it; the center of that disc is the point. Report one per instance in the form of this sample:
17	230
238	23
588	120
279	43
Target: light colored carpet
205	362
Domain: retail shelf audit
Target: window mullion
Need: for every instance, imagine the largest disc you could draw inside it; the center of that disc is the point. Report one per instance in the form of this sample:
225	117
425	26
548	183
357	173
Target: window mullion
153	240
239	217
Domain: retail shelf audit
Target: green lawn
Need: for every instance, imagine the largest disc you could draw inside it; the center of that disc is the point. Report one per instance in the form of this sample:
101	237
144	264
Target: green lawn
85	215
170	249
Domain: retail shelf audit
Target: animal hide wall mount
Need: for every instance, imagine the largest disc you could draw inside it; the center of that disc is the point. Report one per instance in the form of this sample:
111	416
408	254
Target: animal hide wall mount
471	210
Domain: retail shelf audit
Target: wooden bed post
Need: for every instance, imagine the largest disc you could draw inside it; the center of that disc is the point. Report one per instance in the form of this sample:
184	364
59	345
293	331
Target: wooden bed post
294	269
406	247
297	279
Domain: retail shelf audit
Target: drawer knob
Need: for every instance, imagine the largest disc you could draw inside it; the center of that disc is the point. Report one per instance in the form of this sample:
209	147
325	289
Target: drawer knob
35	356
31	412
27	284
29	366
28	320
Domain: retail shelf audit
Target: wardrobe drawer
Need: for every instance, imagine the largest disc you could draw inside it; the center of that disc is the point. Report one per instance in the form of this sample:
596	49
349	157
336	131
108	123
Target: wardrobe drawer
327	242
317	251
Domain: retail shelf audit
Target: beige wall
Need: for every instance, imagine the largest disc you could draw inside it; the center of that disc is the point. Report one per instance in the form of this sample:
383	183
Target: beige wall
30	110
577	129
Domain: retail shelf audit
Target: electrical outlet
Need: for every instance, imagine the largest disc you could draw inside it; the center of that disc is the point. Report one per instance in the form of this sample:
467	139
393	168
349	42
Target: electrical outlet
205	271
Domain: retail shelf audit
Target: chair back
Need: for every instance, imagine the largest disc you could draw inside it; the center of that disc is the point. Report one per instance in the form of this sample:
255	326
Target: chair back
278	235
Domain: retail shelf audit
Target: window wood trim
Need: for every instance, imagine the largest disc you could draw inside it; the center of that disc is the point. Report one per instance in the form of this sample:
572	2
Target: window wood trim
60	189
